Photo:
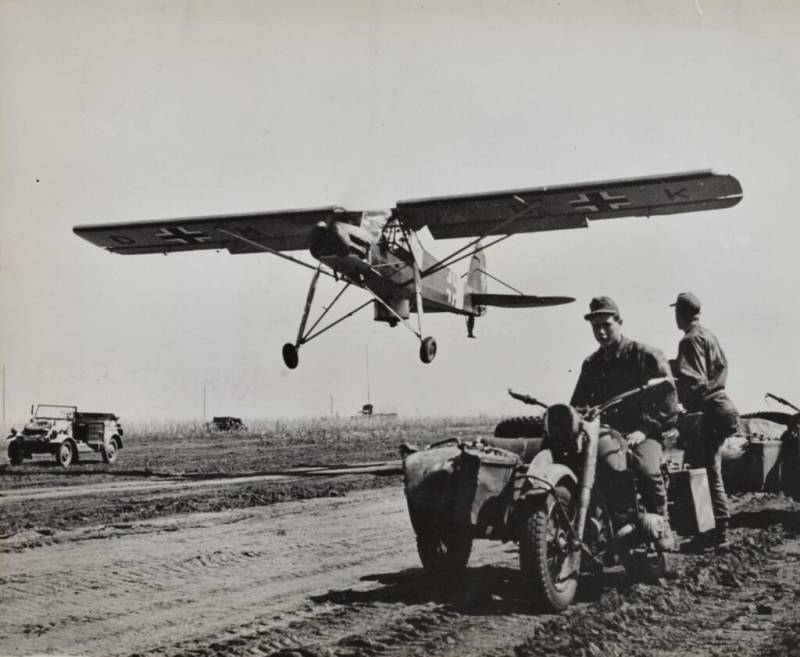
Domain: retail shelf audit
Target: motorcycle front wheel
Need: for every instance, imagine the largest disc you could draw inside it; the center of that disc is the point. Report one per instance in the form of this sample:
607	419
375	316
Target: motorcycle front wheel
549	566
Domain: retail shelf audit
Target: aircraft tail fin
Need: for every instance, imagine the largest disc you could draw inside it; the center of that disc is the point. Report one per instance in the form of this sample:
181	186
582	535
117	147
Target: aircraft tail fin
476	275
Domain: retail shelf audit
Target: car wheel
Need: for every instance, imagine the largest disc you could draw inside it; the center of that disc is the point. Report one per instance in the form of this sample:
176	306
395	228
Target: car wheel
15	453
66	454
109	452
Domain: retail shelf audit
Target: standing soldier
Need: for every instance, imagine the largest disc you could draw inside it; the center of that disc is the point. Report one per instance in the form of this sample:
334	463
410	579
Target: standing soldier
700	373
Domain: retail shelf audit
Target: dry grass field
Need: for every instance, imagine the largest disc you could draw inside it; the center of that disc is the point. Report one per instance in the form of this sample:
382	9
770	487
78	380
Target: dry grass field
189	451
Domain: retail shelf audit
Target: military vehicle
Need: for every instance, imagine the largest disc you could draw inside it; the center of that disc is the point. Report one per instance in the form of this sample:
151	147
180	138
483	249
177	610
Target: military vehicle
226	423
66	433
540	492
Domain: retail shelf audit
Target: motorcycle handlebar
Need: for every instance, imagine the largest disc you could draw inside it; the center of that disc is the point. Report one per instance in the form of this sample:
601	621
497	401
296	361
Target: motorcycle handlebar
527	399
594	411
650	385
781	400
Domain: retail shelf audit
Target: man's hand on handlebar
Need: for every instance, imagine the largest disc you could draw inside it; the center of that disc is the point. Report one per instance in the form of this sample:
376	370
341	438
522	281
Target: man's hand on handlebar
635	437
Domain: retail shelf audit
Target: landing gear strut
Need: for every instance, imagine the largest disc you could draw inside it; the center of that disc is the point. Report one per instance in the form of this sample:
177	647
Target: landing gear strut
290	351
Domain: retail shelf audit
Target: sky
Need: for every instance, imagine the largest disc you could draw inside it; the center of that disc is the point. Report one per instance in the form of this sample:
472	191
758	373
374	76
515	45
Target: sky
126	111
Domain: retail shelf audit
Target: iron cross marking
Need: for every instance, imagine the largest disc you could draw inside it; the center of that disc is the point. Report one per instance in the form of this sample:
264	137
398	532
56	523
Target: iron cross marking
181	235
599	202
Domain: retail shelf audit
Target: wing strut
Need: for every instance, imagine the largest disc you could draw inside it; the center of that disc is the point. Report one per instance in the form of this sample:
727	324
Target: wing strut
452	259
263	247
494	278
290	356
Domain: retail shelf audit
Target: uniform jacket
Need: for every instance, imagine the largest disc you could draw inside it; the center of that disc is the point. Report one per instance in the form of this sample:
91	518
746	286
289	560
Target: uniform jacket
632	365
701	370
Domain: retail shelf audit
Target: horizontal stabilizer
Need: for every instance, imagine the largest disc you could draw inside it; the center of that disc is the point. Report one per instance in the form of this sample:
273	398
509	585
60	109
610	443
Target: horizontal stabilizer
517	300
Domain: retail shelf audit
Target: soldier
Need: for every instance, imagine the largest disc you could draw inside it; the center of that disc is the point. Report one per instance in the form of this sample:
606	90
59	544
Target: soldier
636	428
700	373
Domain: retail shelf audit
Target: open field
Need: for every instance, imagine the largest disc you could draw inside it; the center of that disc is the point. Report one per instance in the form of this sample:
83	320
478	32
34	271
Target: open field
156	453
326	565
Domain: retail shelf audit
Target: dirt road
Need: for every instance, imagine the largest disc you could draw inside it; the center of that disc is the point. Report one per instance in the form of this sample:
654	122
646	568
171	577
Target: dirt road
339	576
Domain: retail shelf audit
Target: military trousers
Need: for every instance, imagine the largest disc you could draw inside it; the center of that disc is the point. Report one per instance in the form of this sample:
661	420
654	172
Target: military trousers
718	421
644	459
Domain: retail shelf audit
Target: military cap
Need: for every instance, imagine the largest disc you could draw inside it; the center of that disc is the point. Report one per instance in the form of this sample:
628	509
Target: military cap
601	306
687	304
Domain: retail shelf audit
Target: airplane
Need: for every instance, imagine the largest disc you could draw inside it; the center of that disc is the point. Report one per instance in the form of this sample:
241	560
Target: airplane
380	251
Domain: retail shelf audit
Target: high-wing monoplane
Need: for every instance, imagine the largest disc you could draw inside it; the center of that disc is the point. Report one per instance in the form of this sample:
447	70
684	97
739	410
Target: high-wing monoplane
381	252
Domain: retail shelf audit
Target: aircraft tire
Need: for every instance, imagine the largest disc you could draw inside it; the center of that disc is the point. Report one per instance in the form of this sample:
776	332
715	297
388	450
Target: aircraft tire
290	357
427	350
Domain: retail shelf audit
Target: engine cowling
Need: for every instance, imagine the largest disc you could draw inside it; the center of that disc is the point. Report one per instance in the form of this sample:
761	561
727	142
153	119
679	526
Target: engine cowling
338	240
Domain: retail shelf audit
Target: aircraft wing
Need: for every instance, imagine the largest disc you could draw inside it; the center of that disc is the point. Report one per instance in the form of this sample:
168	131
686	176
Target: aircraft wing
570	206
286	230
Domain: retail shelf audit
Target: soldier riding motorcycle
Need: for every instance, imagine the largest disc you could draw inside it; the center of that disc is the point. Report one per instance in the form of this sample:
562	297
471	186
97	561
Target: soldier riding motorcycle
573	517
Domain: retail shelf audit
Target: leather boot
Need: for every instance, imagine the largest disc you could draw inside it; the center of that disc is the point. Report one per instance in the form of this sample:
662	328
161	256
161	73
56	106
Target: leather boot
719	537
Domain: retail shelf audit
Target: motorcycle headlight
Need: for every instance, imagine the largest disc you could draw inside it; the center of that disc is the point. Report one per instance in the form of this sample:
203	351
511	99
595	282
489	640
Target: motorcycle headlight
562	426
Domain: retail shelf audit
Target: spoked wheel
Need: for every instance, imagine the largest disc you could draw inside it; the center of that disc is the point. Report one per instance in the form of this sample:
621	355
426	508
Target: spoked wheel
549	565
65	454
290	356
444	554
427	350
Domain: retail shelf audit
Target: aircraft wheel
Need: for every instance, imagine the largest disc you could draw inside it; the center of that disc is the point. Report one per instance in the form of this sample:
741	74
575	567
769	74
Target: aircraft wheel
290	356
427	350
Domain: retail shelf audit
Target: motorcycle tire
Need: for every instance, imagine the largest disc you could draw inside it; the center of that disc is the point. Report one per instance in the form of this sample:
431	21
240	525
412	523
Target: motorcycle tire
520	427
548	569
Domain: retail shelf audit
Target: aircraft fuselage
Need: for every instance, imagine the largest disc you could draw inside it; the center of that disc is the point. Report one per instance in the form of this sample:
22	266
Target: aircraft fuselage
365	255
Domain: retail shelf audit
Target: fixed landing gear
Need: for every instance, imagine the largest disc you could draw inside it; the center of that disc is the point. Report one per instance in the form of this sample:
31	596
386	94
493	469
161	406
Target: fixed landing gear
290	356
427	350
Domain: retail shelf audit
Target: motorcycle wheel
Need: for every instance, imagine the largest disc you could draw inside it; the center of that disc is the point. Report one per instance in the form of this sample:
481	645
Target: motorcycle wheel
444	555
548	566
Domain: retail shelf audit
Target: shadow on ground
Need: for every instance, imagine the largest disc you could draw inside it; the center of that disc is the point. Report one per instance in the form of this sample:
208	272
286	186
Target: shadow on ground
483	591
789	518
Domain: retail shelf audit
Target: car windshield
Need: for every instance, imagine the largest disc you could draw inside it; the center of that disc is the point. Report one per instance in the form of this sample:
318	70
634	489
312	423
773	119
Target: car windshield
45	412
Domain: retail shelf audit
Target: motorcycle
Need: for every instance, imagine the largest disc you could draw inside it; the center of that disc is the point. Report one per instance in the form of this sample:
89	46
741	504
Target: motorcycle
564	517
539	492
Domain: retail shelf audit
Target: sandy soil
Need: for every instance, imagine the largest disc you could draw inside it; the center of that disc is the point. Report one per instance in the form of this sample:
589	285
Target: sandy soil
230	569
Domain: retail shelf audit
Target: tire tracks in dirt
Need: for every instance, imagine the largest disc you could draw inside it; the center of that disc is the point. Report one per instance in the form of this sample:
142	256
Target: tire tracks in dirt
165	482
339	577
